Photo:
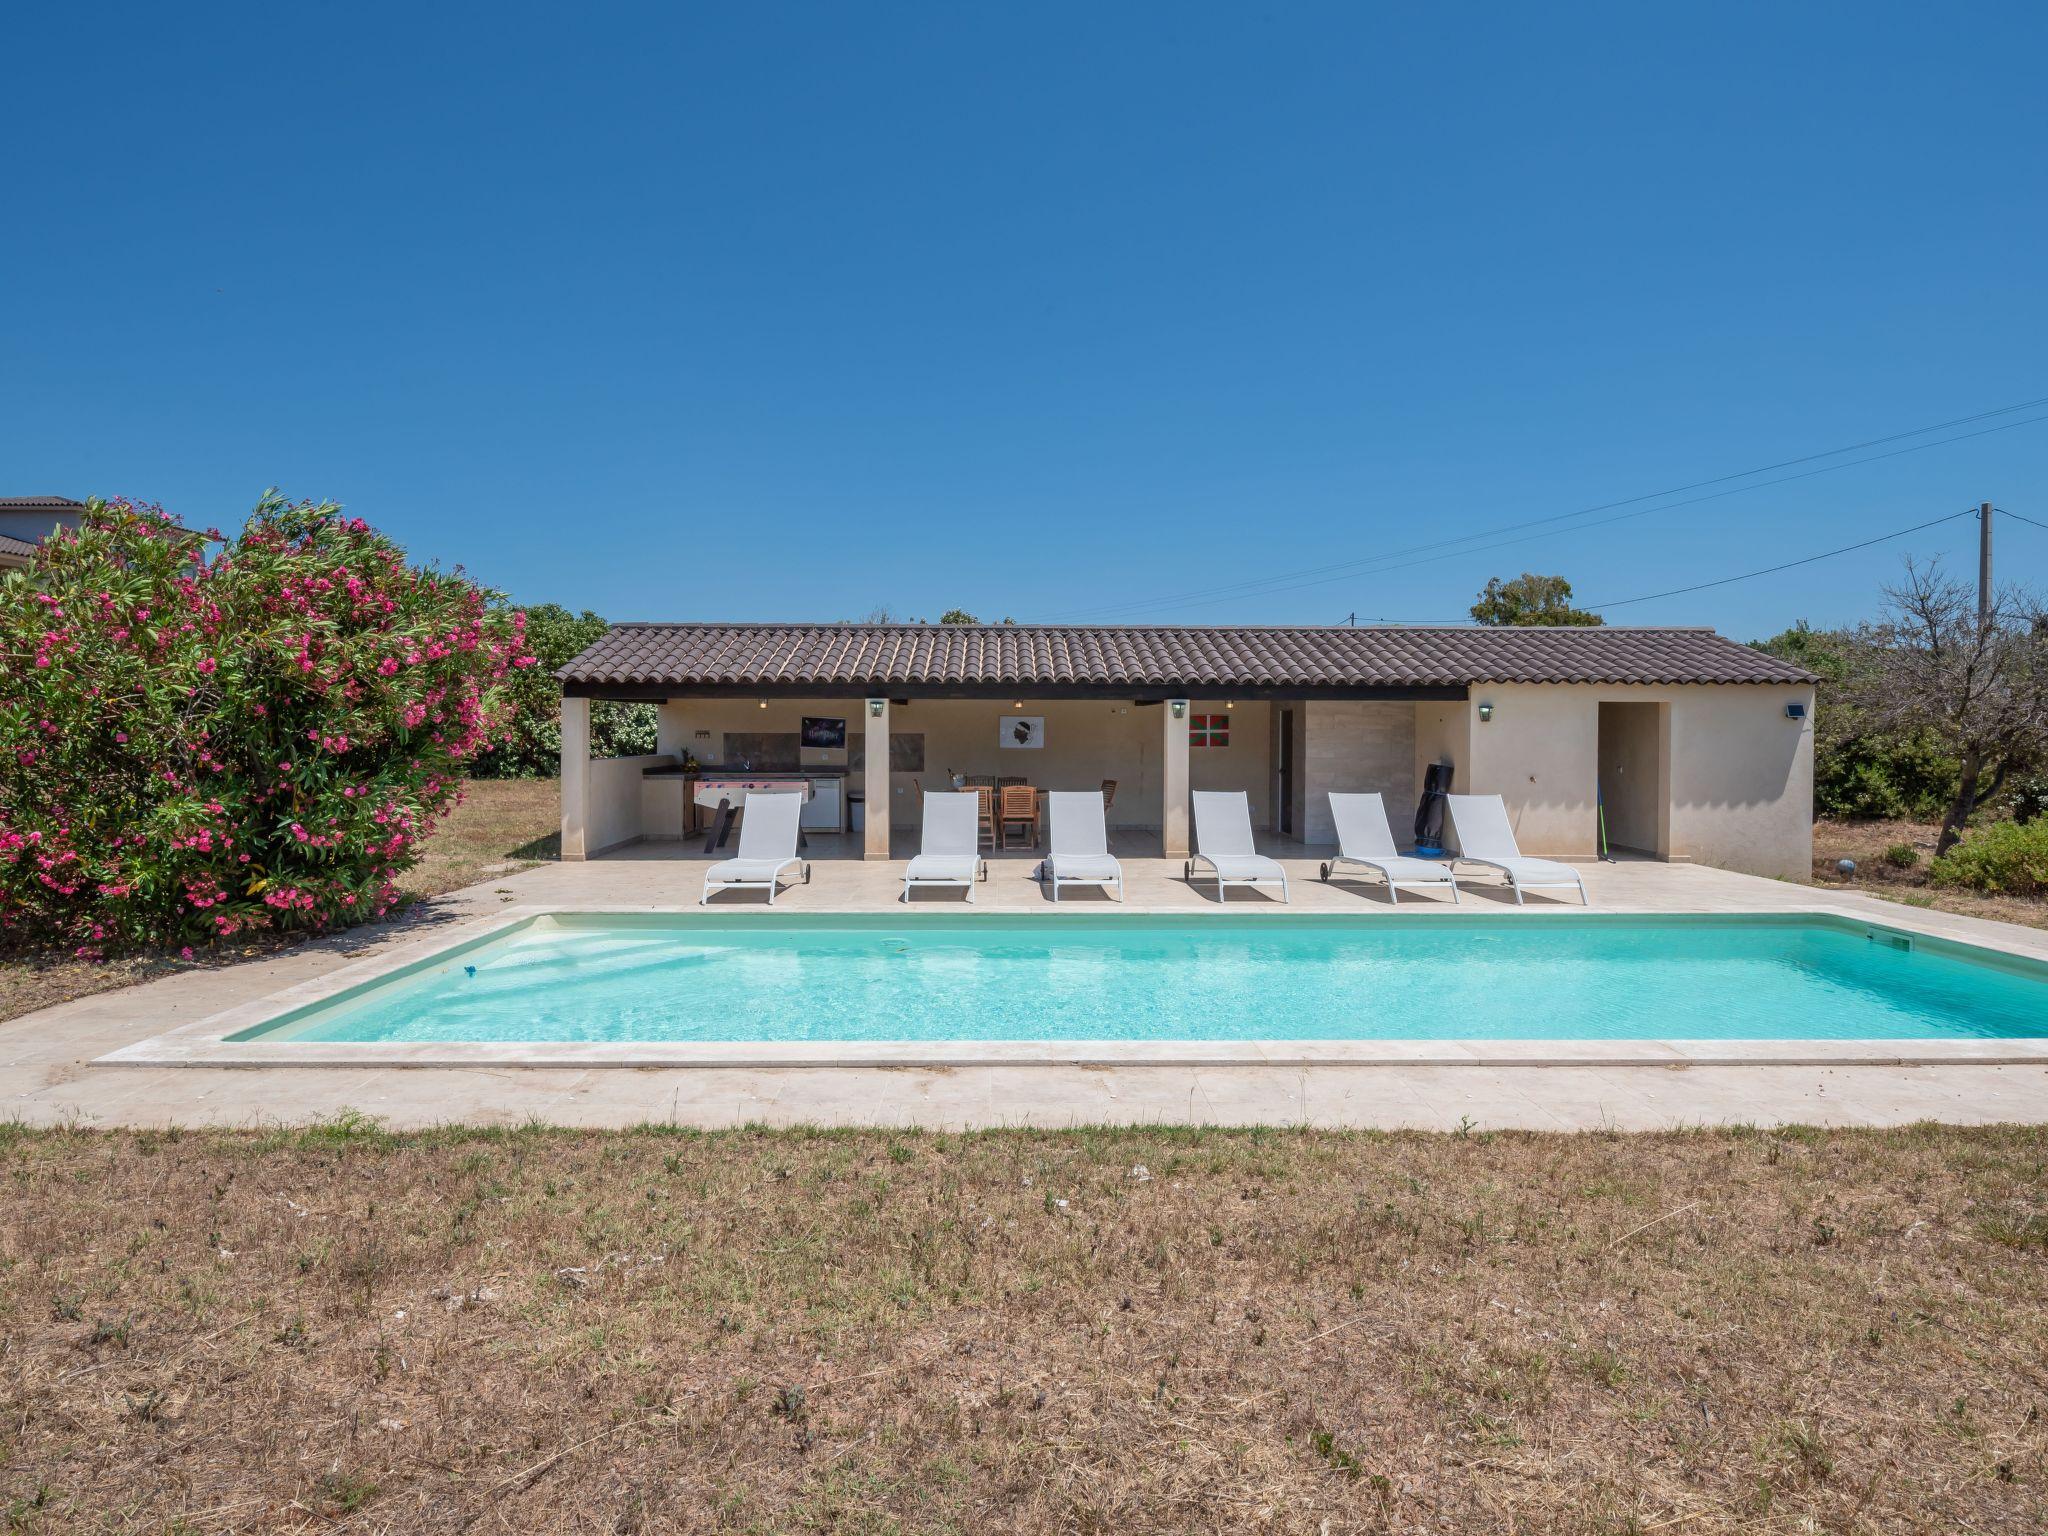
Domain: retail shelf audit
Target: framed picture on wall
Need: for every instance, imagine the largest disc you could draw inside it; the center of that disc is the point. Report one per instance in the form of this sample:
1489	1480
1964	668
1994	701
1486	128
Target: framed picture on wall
1021	731
824	733
1209	730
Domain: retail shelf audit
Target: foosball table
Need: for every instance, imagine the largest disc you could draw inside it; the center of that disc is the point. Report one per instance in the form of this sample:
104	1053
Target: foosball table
724	798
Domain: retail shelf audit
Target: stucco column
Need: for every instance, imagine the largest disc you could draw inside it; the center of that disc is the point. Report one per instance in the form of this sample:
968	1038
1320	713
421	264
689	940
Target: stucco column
875	779
1173	782
575	776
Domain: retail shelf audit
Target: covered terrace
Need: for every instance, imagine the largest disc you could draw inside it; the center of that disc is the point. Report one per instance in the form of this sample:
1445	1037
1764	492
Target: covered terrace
870	717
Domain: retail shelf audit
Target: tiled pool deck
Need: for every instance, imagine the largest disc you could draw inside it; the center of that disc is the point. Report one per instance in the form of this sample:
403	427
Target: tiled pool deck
48	1072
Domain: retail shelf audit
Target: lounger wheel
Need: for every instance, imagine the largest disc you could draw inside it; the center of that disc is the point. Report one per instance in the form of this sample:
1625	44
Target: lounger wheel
1326	872
807	874
1187	870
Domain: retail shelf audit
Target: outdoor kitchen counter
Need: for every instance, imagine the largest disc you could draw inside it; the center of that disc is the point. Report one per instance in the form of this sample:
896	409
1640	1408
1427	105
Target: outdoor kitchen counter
670	808
674	771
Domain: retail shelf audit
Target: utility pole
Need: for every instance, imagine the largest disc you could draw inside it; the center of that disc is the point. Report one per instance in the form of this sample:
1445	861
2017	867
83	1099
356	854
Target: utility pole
1984	603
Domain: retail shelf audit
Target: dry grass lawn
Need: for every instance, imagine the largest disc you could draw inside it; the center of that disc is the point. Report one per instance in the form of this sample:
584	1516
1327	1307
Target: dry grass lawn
504	826
339	1330
1866	842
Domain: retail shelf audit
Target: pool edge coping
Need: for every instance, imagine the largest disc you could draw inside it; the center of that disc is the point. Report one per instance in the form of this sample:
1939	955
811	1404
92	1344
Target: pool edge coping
210	1042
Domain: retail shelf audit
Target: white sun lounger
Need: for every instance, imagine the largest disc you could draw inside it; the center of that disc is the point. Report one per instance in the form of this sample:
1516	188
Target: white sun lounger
1223	841
950	853
768	834
1480	824
1366	838
1079	836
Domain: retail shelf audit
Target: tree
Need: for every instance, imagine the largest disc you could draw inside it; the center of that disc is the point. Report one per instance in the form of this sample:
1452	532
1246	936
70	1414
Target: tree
532	746
1863	768
201	743
1975	683
1532	599
950	616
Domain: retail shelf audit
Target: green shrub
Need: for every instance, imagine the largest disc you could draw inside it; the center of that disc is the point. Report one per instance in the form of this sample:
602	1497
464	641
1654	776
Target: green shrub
1902	855
2009	858
1869	778
199	743
532	746
1855	791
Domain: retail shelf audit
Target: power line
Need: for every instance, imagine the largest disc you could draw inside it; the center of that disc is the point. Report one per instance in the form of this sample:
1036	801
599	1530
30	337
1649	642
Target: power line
1324	574
1530	538
1771	570
1882	538
1378	562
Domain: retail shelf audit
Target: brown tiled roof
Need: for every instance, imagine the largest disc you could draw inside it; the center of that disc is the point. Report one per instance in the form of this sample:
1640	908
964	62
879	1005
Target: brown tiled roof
40	504
12	548
1164	657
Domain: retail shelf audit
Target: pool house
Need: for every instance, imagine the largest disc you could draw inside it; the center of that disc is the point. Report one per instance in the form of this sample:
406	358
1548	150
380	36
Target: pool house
1681	745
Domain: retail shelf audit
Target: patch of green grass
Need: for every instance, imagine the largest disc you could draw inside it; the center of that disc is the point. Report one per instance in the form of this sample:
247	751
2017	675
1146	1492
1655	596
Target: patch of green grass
2024	1230
343	1493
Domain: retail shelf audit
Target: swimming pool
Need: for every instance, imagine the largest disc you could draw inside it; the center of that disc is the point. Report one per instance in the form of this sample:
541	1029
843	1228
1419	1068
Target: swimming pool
604	978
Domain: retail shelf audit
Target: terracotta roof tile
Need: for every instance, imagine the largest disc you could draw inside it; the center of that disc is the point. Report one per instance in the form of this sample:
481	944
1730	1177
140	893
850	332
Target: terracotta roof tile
1172	658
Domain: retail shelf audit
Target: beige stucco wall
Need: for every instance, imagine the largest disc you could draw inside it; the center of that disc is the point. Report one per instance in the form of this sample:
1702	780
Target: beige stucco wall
614	810
1741	773
1245	763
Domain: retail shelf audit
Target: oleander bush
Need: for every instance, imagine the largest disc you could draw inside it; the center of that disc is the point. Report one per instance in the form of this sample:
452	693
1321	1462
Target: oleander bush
202	737
2007	858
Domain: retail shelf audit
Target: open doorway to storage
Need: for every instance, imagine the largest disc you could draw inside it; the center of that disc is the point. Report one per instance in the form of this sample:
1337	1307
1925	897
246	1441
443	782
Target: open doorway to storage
1635	777
1283	771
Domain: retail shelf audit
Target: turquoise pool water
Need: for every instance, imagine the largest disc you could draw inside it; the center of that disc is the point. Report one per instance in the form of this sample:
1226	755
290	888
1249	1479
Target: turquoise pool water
1110	977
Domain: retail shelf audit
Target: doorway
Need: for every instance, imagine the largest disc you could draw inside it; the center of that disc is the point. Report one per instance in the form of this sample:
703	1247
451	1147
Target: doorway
1283	789
1634	760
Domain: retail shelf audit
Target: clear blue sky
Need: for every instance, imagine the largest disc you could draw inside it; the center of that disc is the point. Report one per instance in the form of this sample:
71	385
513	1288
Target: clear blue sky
1056	311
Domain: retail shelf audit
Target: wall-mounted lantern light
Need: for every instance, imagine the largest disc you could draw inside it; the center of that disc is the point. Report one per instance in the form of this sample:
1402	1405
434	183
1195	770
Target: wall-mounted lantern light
1179	708
875	708
764	703
1017	704
1485	713
1230	703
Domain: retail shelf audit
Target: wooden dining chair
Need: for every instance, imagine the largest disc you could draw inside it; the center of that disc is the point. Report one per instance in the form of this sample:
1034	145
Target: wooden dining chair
1108	793
985	813
1020	810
